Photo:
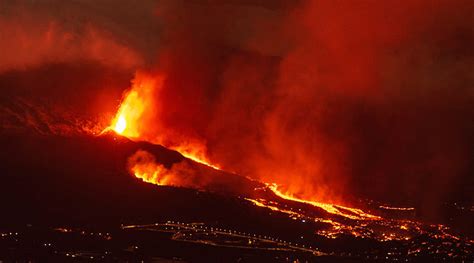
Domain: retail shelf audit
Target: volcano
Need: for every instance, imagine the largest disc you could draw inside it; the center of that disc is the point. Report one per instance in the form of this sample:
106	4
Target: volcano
236	131
75	199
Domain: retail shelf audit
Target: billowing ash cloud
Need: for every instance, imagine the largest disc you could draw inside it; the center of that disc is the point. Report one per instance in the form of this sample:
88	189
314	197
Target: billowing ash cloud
326	97
36	33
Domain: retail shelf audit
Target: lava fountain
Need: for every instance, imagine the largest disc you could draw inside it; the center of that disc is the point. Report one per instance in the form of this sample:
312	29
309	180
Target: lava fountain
130	121
136	101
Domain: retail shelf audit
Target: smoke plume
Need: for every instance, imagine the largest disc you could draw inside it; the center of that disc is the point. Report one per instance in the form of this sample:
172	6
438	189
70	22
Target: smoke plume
329	98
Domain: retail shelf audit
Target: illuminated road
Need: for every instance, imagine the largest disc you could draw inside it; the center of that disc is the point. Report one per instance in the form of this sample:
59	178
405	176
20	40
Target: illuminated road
199	233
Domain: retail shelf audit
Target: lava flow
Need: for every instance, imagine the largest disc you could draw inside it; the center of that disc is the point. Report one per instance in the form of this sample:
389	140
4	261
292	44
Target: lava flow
352	213
128	123
130	119
339	220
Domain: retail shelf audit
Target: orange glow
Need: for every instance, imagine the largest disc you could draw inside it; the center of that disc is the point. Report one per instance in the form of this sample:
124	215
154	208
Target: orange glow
142	164
195	152
131	121
137	106
136	101
351	213
120	125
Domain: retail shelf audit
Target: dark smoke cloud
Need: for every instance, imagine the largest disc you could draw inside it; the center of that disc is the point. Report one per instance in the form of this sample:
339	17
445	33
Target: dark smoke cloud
33	36
327	97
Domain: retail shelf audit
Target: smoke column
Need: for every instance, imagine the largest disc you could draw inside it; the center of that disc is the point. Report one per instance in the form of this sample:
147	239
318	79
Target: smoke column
327	98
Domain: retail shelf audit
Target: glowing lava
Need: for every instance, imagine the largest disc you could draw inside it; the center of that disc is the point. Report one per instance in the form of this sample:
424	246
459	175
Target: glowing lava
138	104
196	154
142	164
352	213
120	125
132	116
132	119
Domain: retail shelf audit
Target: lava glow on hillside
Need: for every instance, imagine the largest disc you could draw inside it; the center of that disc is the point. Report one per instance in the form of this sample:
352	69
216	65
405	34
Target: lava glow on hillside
341	220
127	122
330	121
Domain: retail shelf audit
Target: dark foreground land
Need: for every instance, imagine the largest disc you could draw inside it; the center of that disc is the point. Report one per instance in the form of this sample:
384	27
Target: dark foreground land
71	199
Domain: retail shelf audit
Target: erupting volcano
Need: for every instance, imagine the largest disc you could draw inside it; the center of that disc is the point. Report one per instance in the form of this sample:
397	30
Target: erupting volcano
340	220
143	165
236	131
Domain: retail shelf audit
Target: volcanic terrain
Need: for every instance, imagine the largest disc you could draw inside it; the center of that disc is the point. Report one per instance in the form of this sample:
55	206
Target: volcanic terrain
74	199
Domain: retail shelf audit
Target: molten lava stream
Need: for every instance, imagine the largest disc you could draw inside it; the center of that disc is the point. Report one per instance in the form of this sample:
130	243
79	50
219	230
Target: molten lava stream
136	104
156	174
